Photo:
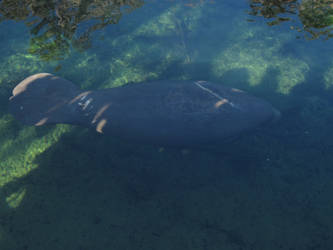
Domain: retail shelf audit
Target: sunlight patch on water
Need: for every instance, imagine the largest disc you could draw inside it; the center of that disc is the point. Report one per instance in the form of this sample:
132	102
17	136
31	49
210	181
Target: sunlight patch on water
131	65
328	78
125	70
292	72
257	50
257	61
163	25
171	21
15	199
20	64
18	155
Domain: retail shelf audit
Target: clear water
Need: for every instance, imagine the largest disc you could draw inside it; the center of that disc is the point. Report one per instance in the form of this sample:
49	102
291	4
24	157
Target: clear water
64	187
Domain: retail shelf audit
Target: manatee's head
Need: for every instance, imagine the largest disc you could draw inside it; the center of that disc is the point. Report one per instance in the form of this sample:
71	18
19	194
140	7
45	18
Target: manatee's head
42	98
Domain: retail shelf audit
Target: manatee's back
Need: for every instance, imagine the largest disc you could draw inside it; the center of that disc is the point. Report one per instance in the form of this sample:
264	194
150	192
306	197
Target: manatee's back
42	98
182	113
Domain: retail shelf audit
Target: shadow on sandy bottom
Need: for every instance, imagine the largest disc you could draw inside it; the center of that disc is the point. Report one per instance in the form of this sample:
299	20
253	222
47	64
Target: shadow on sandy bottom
107	194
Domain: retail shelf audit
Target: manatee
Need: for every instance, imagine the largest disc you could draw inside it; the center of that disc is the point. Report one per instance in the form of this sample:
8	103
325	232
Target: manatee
166	113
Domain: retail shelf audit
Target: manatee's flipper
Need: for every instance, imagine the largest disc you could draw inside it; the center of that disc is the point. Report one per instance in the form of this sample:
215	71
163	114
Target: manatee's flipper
43	98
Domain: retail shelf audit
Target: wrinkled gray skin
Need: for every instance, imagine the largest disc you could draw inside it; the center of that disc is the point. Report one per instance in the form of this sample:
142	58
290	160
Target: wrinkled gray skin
174	113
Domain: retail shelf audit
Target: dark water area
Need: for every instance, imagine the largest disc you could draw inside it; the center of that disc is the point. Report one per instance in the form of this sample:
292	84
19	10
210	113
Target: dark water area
67	187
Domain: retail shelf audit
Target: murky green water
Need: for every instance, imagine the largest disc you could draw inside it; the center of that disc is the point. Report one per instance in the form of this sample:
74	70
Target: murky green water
65	187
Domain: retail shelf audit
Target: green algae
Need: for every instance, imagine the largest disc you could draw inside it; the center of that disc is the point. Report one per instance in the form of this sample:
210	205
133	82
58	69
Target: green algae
125	67
18	155
328	77
21	64
15	199
170	22
258	56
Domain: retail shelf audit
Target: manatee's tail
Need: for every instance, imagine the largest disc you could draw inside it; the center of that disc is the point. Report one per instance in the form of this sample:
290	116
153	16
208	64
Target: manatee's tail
43	98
